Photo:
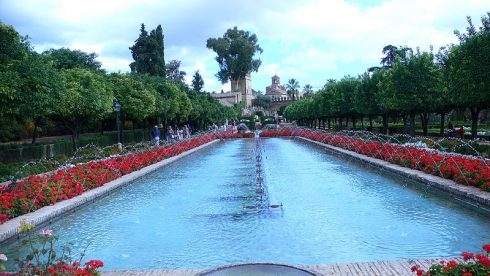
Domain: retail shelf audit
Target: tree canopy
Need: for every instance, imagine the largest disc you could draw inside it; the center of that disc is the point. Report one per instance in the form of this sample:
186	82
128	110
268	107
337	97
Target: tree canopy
64	58
197	82
173	71
468	69
235	54
411	83
148	53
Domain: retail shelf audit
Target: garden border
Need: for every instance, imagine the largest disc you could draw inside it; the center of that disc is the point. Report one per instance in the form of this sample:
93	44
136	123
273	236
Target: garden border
473	195
47	214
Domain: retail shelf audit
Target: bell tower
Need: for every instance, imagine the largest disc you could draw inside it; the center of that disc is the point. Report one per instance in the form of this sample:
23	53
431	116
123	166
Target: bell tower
244	86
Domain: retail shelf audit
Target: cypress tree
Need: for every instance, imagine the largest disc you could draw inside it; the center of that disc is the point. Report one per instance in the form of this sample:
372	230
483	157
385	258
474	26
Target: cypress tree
148	53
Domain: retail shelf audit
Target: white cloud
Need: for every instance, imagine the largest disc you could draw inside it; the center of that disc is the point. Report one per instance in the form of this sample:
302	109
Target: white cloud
308	40
115	64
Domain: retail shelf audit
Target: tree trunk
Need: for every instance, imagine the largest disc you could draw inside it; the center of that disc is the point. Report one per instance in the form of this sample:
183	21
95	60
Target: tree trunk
75	135
412	125
346	122
328	122
443	118
424	118
34	131
371	123
354	123
145	121
405	125
475	112
362	123
385	124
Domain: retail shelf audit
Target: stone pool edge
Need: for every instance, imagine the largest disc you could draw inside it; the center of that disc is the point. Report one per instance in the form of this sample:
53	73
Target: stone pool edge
9	229
472	194
391	267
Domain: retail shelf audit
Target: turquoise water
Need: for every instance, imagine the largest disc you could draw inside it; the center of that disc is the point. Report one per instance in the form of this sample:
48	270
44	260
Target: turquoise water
204	211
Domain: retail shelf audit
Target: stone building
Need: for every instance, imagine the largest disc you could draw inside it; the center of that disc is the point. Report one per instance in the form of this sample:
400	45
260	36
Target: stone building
241	91
228	99
244	86
276	91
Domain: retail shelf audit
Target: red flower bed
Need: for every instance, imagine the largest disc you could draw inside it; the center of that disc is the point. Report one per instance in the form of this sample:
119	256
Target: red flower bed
46	189
472	265
244	135
462	169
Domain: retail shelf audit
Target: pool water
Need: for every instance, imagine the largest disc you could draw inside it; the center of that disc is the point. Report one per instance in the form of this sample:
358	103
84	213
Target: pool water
204	211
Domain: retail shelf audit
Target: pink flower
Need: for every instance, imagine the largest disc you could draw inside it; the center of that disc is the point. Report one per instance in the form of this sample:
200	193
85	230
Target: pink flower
46	232
3	257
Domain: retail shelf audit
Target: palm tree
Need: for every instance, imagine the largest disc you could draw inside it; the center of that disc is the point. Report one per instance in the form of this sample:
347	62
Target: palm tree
292	87
308	89
390	52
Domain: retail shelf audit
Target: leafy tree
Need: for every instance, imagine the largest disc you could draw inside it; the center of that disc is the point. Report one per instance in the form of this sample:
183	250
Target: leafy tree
390	54
343	94
443	103
197	82
292	88
173	71
65	58
148	53
88	96
14	48
138	100
262	100
366	101
28	81
38	87
468	69
414	83
235	54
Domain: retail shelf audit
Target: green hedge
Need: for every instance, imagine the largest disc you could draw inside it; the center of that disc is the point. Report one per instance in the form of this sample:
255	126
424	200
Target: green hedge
25	152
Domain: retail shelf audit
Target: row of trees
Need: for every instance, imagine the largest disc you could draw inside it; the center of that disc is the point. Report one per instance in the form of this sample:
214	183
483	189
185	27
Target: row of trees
409	83
68	87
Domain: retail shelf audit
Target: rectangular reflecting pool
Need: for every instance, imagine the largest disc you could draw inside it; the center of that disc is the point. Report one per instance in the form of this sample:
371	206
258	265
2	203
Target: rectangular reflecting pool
206	210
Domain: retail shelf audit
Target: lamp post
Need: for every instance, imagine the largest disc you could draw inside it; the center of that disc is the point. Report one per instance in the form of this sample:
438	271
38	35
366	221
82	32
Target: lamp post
117	109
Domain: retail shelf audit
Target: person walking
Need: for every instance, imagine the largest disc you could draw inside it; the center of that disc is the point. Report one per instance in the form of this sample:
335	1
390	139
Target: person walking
155	135
170	134
186	132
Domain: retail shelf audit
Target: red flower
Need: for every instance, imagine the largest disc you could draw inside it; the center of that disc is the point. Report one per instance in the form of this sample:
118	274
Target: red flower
467	255
486	247
452	264
94	264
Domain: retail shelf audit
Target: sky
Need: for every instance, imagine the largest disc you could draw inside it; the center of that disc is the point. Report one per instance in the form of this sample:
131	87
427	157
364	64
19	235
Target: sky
309	40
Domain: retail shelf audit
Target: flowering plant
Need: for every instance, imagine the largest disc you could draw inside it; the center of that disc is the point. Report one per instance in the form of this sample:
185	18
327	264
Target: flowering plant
46	189
44	260
472	265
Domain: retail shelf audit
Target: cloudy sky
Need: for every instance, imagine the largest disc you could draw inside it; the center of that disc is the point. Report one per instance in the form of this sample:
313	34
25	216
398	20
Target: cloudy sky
310	40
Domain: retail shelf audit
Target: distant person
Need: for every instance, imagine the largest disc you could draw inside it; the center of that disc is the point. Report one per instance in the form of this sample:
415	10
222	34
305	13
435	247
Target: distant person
450	126
155	135
186	132
461	132
170	134
180	134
